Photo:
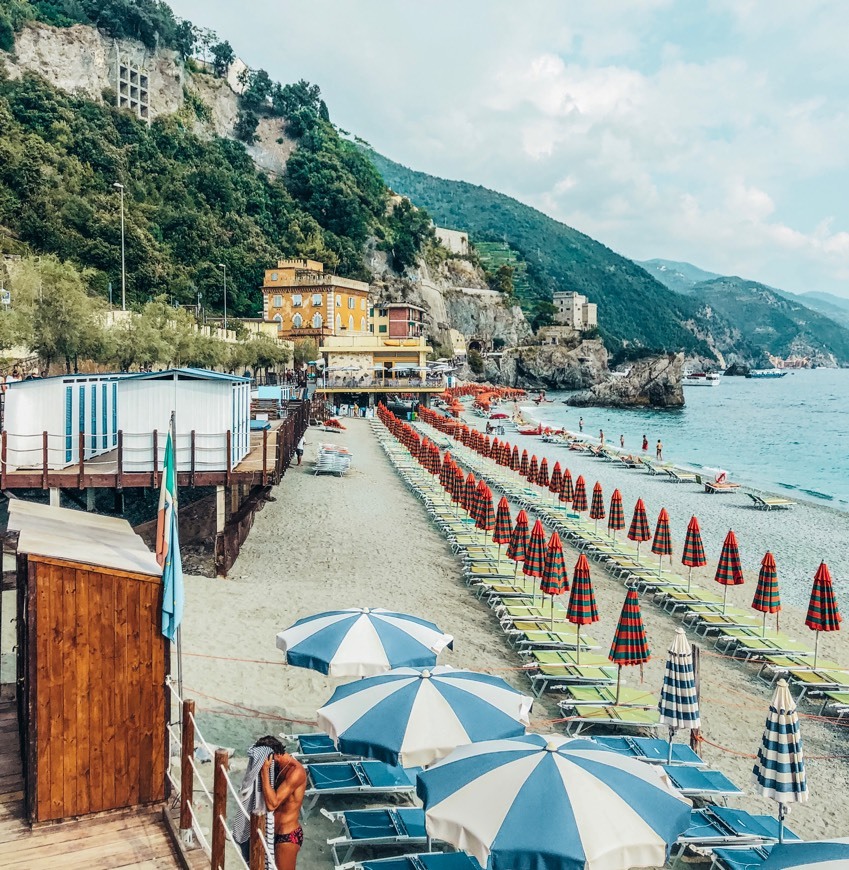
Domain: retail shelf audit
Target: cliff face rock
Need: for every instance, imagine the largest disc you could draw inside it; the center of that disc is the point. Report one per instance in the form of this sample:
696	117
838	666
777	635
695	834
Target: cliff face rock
651	383
551	366
481	315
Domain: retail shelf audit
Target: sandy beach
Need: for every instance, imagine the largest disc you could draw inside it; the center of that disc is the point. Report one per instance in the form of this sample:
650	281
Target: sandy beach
364	540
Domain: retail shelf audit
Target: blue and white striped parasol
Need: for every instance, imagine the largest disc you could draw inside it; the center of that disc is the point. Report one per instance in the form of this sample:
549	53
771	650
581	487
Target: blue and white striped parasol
780	768
359	642
547	802
817	855
413	717
679	697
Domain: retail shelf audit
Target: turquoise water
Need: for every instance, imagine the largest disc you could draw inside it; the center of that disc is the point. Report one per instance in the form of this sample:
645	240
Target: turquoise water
789	435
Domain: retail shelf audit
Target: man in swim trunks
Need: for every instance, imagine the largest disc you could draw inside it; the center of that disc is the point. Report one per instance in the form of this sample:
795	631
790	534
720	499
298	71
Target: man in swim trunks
284	799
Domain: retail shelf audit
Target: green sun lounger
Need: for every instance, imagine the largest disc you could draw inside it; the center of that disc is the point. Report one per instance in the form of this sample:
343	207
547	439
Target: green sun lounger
540	635
814	682
672	600
839	700
747	643
605	696
611	718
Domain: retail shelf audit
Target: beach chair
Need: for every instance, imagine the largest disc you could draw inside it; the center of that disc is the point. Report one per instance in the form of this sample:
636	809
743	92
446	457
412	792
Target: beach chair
739	643
395	827
605	696
696	782
615	718
815	682
744	858
540	635
315	747
715	486
679	476
707	619
543	677
673	600
420	861
652	750
366	778
770	502
775	666
838	701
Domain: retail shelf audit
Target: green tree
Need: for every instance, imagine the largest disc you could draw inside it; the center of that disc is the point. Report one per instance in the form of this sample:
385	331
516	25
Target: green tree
503	280
475	361
185	38
306	349
257	88
246	125
410	229
543	314
287	99
222	58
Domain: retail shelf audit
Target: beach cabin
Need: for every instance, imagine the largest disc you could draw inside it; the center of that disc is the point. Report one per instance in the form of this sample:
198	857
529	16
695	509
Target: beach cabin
207	403
91	663
64	407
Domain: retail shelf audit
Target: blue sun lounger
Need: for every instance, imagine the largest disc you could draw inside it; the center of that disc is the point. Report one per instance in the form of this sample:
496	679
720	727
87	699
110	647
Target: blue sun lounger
368	778
750	858
385	826
715	826
315	747
421	861
652	749
696	782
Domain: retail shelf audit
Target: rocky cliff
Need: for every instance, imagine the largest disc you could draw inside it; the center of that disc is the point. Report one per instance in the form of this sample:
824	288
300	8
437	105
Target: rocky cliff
550	367
651	383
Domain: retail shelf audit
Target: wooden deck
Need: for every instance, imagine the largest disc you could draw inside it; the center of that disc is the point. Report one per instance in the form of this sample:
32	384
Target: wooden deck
132	839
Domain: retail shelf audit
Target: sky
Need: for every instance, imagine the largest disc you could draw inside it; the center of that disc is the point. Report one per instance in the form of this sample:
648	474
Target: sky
715	132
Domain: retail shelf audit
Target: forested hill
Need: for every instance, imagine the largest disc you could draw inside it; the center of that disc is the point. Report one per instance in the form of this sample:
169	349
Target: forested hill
633	306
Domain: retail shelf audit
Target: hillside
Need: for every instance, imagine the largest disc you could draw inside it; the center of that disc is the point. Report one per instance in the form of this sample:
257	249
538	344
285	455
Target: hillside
835	307
634	308
769	320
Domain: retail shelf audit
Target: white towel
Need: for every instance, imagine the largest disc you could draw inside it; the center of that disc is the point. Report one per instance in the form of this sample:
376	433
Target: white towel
253	800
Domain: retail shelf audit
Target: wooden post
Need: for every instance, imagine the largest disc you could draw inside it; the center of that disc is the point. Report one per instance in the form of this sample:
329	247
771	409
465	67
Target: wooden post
186	771
257	834
219	808
82	460
155	476
3	459
120	476
44	460
264	457
192	472
229	456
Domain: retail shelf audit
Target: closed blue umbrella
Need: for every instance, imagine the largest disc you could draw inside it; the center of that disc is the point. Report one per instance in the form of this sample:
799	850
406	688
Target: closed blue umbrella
414	716
545	802
780	767
818	855
679	698
362	641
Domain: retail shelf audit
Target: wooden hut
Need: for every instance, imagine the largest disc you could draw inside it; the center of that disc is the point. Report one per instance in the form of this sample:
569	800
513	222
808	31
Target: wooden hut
91	663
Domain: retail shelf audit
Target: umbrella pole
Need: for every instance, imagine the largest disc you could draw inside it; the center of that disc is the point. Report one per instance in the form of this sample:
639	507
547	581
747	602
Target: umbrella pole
669	753
618	681
659	565
725	599
577	643
552	613
782	812
499	552
689	577
596	526
763	633
816	649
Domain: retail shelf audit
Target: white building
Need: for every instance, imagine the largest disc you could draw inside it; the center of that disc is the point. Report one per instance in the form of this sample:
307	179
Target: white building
573	310
455	241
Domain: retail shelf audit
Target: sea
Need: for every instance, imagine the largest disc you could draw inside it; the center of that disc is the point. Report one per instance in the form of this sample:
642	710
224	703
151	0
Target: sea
785	435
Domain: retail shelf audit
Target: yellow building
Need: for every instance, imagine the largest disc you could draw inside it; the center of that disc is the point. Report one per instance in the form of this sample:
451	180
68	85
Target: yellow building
304	301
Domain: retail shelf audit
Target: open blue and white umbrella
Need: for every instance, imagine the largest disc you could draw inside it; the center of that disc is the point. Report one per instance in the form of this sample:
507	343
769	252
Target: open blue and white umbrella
780	767
545	802
817	855
359	642
413	716
679	698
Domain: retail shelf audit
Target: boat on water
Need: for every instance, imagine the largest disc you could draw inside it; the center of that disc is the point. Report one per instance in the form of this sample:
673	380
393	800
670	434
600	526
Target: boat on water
701	379
766	373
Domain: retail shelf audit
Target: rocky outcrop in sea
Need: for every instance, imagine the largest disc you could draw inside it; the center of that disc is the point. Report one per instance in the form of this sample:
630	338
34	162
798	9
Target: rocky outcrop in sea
655	382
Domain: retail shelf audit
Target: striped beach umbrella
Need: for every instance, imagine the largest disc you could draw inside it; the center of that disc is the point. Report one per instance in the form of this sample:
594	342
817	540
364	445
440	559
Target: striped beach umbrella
518	546
485	515
694	552
597	505
435	460
662	544
679	698
630	646
486	447
554	580
579	499
533	470
780	767
547	802
581	609
469	496
458	487
639	530
525	464
543	478
823	614
362	641
412	717
506	453
729	571
535	554
503	525
767	598
616	516
567	490
556	481
515	463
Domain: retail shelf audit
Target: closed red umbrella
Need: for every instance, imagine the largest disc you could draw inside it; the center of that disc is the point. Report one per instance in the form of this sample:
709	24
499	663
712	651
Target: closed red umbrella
767	598
485	447
458	487
525	464
630	646
503	525
639	530
435	460
533	470
515	463
616	517
485	519
506	454
556	481
567	490
469	498
823	614
495	449
579	500
542	475
518	547
694	552
597	506
729	571
554	580
662	544
535	555
582	608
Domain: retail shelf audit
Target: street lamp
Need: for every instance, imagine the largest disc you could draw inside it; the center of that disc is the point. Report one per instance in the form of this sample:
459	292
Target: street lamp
222	266
120	187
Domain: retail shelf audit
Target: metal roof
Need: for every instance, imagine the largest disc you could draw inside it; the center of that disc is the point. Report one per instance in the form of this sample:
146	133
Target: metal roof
75	536
188	373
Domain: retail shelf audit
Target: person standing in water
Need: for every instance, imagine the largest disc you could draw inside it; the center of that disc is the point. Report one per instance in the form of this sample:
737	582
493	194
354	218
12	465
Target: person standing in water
622	442
659	450
601	436
645	444
581	425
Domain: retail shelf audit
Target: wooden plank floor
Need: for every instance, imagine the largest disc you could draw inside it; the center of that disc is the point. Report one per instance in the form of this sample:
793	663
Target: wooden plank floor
136	839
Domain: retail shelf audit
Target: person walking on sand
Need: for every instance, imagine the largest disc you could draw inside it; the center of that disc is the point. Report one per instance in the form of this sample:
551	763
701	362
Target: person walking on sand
645	444
581	425
284	798
659	450
299	450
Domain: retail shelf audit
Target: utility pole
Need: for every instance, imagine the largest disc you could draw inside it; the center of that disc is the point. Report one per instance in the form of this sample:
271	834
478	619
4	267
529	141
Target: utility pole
123	261
222	266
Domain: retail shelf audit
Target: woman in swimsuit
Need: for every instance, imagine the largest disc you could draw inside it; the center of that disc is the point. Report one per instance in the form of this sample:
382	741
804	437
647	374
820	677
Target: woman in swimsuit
285	800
